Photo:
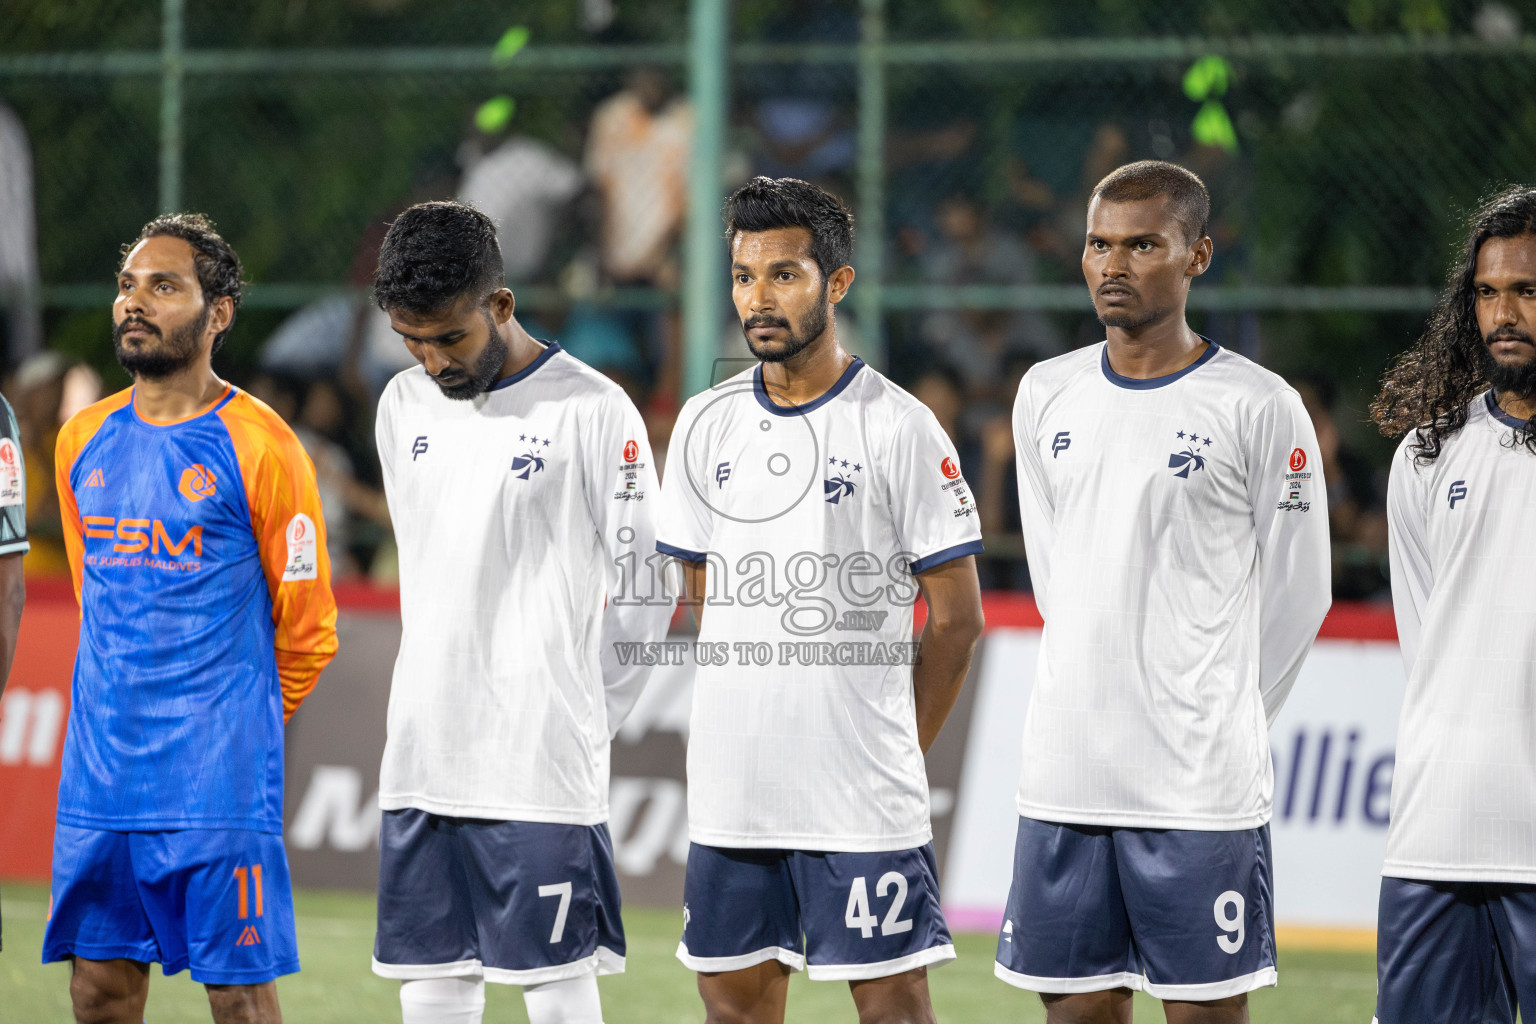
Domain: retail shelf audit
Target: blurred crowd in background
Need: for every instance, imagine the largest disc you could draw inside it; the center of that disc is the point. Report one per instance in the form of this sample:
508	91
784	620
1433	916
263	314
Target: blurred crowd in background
1341	172
602	216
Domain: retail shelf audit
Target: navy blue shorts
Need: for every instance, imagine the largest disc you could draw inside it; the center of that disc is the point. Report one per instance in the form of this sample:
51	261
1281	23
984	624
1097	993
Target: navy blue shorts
215	900
519	902
853	916
1178	914
1455	952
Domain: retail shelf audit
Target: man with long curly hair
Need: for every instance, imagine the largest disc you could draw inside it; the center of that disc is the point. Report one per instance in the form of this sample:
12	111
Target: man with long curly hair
1457	925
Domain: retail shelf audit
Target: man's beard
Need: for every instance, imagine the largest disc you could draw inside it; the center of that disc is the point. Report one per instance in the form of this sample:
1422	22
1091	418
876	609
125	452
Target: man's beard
484	373
1517	379
170	357
814	326
1131	320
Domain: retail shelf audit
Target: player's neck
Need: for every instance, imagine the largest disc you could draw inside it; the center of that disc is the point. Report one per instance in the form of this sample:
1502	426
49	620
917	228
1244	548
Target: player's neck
522	350
1521	408
1156	350
179	396
807	375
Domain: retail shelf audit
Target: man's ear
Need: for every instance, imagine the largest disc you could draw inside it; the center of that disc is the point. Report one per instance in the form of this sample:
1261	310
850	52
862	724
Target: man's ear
503	303
839	283
1200	256
222	314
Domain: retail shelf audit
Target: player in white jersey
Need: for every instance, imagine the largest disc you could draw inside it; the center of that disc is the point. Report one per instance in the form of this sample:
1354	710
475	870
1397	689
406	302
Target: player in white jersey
1456	931
811	500
1177	534
521	485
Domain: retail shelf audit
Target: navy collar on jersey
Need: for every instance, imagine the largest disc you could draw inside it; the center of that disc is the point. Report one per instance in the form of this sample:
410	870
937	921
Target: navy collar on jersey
1148	383
761	391
550	348
1502	416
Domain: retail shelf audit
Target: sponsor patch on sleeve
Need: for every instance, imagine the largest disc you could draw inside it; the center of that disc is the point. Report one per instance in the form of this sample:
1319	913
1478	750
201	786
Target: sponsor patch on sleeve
303	550
11	490
1296	495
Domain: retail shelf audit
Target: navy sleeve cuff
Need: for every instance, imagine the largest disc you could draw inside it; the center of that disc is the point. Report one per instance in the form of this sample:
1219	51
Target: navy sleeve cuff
683	553
970	547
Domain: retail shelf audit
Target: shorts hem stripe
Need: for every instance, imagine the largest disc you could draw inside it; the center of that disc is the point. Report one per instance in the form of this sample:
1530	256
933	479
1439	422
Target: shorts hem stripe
932	956
65	950
420	972
1067	986
245	976
718	964
1265	977
602	961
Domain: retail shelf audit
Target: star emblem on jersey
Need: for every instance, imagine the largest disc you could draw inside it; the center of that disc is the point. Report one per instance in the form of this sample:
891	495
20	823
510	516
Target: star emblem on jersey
841	484
526	464
1189	460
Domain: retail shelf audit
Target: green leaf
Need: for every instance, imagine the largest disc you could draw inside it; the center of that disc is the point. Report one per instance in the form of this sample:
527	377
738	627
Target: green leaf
510	44
494	113
1209	76
1213	127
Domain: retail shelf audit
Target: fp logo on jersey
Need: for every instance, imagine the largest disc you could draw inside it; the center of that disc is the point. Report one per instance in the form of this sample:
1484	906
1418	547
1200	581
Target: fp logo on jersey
722	474
1457	492
1061	443
418	446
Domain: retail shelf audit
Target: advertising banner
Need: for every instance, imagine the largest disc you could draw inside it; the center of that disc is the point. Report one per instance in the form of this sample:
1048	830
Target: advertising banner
1332	749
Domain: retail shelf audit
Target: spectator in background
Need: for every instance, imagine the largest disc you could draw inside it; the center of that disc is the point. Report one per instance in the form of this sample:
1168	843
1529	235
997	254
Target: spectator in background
47	390
20	295
979	343
524	186
1357	518
637	160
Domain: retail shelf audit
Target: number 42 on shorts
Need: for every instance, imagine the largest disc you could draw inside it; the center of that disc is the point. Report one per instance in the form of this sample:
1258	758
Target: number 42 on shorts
858	913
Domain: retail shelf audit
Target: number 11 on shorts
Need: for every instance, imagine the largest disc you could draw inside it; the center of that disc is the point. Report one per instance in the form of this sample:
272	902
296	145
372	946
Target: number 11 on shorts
858	915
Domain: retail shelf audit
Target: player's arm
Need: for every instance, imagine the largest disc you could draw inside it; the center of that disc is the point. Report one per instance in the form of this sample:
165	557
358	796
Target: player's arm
289	525
953	595
1295	585
13	546
1413	575
933	517
1036	509
622	492
684	521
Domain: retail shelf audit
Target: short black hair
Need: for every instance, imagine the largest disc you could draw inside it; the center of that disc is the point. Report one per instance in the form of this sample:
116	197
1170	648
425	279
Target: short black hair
1147	179
217	263
764	204
433	255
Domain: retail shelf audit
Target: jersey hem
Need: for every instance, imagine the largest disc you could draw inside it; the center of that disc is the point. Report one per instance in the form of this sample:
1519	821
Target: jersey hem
1443	873
718	964
540	815
169	824
933	956
1067	986
813	843
1131	819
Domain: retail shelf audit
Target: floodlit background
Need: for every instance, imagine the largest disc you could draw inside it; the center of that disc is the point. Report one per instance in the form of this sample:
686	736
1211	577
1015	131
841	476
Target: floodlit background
1342	141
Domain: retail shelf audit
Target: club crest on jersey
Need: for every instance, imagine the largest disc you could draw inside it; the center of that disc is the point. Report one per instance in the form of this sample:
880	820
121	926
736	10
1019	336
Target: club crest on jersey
1189	460
197	482
526	464
841	484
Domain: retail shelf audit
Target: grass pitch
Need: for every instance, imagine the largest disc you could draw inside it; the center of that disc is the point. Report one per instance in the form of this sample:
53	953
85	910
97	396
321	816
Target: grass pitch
337	987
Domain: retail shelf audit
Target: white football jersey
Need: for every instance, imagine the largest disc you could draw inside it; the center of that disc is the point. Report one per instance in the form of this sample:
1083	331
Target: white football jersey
518	515
812	519
1177	535
1463	586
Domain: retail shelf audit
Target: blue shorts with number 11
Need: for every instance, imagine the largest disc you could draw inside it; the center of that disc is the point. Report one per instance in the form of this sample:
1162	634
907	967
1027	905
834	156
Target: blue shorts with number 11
213	900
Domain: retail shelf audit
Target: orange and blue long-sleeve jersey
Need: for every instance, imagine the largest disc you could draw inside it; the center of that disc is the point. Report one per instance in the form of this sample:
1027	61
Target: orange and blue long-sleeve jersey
206	613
